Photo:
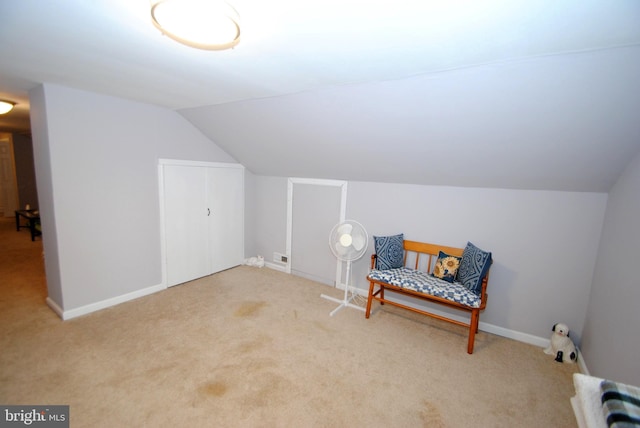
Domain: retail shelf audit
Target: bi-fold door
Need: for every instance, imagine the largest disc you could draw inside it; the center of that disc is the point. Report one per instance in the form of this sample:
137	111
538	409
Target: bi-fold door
203	218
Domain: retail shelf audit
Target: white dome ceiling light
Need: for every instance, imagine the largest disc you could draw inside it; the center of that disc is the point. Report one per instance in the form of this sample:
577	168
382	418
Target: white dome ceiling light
201	24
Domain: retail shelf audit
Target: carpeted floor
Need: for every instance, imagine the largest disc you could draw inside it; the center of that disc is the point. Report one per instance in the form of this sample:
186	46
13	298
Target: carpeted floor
253	347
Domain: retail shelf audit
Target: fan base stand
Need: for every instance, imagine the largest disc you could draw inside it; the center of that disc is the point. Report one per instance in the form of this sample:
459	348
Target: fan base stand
344	303
346	300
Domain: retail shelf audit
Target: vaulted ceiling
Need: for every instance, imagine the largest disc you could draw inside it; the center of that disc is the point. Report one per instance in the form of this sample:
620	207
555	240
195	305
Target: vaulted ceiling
497	93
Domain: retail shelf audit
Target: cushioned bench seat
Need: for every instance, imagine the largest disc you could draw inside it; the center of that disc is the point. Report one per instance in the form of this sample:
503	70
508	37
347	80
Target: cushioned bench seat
424	283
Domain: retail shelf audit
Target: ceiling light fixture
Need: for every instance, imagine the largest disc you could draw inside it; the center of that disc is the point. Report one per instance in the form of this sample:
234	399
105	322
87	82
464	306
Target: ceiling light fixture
6	106
201	24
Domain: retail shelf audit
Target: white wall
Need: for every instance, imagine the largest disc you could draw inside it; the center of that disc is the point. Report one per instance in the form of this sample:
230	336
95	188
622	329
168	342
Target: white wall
44	182
611	341
97	173
544	243
269	216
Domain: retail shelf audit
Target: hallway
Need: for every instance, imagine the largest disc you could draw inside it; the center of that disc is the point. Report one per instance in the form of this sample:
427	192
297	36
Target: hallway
23	287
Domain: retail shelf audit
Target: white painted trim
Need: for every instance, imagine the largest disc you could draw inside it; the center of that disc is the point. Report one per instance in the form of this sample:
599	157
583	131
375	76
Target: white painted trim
287	244
163	238
318	181
343	212
489	328
93	307
519	336
179	162
540	342
54	306
275	266
582	364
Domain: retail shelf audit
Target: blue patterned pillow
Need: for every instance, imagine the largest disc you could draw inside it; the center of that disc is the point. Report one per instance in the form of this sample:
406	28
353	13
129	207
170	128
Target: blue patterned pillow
446	267
390	251
473	267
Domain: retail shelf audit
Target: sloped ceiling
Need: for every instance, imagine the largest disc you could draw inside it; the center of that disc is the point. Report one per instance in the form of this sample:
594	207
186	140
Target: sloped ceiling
508	94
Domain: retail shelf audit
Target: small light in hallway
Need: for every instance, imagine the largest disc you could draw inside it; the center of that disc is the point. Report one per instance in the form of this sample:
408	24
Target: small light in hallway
6	106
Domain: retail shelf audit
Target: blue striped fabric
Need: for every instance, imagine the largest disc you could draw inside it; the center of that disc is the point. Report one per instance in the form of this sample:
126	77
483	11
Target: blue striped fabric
621	404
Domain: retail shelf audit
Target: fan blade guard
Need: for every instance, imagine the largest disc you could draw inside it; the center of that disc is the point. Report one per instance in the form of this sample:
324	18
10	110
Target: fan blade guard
358	242
345	228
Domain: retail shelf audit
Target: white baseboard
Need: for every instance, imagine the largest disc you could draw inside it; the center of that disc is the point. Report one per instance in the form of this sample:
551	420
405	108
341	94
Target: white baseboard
582	364
497	330
489	328
93	307
54	306
515	335
276	266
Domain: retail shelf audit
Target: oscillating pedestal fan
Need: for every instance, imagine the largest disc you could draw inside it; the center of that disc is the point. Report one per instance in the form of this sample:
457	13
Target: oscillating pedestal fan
348	241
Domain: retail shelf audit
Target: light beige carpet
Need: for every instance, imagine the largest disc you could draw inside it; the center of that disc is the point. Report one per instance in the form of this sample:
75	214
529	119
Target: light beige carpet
253	347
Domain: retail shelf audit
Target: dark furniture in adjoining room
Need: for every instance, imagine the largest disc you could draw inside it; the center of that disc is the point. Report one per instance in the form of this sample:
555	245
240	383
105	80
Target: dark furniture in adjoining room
33	222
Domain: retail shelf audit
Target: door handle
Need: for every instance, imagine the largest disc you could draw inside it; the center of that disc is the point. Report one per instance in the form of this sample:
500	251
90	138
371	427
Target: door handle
208	212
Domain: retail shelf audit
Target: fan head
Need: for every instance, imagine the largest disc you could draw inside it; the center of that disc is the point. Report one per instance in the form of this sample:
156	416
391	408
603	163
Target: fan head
348	240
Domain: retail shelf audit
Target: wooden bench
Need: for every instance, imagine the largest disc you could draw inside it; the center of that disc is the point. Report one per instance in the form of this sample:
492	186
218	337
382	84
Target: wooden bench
415	280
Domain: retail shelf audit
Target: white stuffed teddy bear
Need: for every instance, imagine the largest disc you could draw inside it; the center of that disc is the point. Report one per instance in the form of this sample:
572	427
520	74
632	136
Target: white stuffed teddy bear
561	345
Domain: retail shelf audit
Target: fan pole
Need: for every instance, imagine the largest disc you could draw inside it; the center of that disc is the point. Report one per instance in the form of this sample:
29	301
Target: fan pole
346	301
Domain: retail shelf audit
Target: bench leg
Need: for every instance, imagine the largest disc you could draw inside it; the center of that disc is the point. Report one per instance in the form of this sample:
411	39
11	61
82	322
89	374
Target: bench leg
473	328
369	300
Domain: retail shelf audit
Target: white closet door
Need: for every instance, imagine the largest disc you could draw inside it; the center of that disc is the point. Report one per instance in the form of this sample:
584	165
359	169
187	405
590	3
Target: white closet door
186	223
226	200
